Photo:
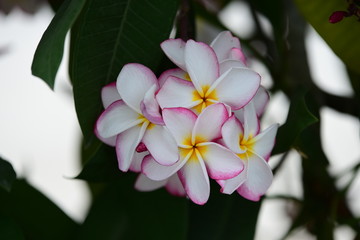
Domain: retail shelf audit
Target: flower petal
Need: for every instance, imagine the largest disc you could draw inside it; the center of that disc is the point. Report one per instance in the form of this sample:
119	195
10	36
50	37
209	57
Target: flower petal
260	100
223	44
115	119
174	49
150	107
208	125
109	94
176	92
259	179
220	162
180	122
175	72
133	82
228	64
237	54
201	64
195	180
161	145
230	185
145	184
136	161
237	87
111	141
251	121
265	141
126	144
231	132
175	187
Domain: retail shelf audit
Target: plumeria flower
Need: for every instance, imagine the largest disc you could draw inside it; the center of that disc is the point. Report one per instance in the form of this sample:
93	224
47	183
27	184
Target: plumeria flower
133	119
172	184
200	157
205	85
254	148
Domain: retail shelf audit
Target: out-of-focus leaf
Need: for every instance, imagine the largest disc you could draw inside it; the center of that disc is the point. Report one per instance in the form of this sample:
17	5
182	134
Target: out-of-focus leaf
9	230
342	37
49	52
223	217
298	119
107	35
38	217
121	212
100	163
7	175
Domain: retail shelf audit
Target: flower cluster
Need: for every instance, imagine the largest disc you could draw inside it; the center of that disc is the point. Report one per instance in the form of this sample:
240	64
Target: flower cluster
197	121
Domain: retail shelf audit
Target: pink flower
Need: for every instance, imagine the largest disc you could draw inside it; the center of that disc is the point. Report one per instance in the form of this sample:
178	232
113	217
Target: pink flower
254	148
200	157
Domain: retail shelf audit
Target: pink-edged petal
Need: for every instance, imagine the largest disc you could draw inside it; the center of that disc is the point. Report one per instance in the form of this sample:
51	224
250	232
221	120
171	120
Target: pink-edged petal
231	132
232	184
228	64
208	125
175	187
176	92
126	144
161	145
237	54
158	172
111	141
145	184
251	121
260	100
259	179
115	119
136	161
133	82
195	180
220	162
265	141
180	122
150	107
175	72
109	94
201	64
223	44
236	87
174	49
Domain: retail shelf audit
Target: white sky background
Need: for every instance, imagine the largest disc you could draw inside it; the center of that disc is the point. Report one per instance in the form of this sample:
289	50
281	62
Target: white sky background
40	135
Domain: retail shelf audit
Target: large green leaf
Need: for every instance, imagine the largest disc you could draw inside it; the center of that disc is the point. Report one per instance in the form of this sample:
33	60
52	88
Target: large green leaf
121	212
107	35
49	52
7	175
342	37
298	119
36	215
223	217
9	229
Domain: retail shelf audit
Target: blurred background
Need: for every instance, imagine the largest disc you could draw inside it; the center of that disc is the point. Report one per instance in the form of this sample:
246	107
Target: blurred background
41	137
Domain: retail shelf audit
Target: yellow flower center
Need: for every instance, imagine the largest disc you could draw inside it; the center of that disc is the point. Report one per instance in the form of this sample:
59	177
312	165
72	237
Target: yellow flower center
193	149
247	145
204	99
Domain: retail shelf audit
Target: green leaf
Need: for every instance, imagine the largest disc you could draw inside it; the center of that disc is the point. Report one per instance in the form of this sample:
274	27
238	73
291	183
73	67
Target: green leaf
38	217
121	212
9	229
49	52
298	119
223	217
107	35
342	37
7	175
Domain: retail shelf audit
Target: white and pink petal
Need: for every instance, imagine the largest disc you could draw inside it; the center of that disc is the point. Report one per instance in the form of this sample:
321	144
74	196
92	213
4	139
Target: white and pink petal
175	51
223	44
265	141
109	94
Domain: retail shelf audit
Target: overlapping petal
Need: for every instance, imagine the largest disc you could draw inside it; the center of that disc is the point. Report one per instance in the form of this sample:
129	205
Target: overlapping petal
231	185
223	44
208	124
109	94
175	187
145	184
231	132
175	72
201	64
133	82
126	143
265	141
228	64
117	118
251	122
221	163
236	87
175	50
150	107
161	145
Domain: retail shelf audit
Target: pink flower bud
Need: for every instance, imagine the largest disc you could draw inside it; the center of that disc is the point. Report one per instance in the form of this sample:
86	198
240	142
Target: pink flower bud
337	16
